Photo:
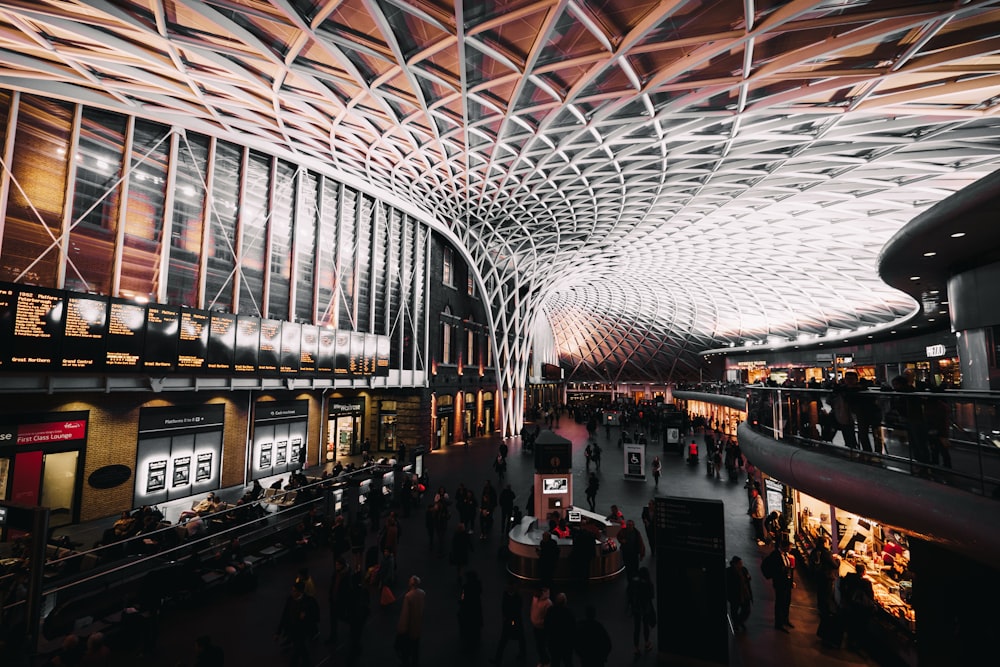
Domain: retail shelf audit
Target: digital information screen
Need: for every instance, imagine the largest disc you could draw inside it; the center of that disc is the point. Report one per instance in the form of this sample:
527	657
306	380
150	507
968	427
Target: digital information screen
342	353
291	344
222	342
192	343
269	350
162	330
247	344
309	350
125	336
54	330
325	356
35	329
85	321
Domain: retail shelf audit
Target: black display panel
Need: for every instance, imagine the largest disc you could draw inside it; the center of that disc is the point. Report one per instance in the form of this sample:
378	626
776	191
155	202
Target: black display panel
326	355
356	355
342	353
382	357
291	344
162	330
125	336
221	342
7	308
247	344
269	349
85	323
192	342
35	327
309	350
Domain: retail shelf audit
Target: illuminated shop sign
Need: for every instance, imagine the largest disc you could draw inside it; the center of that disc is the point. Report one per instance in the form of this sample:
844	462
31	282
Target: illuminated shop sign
935	351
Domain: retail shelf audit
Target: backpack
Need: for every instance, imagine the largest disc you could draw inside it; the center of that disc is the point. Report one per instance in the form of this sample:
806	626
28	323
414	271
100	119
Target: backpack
770	566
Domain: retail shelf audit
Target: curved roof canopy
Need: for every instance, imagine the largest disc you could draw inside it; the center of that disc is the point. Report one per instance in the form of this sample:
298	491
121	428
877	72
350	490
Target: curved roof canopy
655	178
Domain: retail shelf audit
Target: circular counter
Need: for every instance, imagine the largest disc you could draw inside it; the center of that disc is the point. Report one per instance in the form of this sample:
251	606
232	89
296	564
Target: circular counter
523	541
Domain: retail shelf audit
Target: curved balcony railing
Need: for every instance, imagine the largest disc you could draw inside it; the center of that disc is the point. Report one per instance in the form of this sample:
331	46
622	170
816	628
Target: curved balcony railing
951	437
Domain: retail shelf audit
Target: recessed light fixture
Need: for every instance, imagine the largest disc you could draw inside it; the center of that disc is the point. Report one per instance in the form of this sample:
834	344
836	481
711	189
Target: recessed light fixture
914	277
913	326
958	235
929	254
930	319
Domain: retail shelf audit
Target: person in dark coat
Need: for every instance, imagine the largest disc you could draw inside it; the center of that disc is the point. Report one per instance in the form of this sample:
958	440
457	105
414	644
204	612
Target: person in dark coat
470	612
461	547
592	642
299	619
511	623
548	558
560	631
507	498
640	594
738	593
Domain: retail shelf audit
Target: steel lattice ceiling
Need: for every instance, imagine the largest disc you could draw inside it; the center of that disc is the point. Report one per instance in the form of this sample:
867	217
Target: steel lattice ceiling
654	178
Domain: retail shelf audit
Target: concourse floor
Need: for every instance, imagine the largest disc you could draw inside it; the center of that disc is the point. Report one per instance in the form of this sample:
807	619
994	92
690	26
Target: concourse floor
243	624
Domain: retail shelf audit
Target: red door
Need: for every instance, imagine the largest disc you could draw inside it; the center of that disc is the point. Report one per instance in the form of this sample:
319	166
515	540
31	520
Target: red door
27	486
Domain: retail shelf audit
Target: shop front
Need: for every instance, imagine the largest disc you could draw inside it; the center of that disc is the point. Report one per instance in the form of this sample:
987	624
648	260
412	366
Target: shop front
41	462
469	421
444	416
488	419
387	421
343	427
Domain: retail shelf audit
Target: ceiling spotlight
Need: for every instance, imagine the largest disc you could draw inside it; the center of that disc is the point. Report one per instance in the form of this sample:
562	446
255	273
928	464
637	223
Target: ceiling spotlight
914	277
929	254
958	235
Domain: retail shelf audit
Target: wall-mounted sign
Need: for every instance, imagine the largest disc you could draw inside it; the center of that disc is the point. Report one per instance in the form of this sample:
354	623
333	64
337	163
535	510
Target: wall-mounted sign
935	351
755	363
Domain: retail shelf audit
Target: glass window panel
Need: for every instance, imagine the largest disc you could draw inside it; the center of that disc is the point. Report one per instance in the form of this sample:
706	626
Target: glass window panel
364	273
183	272
4	117
37	194
144	211
96	200
254	223
380	262
306	225
281	243
394	306
448	268
326	273
345	262
220	264
420	239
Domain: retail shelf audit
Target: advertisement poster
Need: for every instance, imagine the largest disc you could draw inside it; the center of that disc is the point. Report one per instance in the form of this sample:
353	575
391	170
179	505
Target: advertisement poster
297	451
204	470
157	476
635	461
281	458
182	471
265	455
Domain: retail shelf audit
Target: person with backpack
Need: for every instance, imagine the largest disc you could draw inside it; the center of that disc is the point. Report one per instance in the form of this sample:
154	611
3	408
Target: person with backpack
779	567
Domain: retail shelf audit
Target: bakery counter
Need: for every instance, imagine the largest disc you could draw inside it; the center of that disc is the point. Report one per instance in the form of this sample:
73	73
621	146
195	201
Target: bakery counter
524	539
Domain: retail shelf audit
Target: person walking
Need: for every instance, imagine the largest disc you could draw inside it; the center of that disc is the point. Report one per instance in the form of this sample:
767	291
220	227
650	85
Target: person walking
592	642
540	605
470	613
641	595
593	484
633	548
548	558
410	625
779	567
656	471
298	624
511	623
507	498
757	515
649	524
560	630
461	547
738	593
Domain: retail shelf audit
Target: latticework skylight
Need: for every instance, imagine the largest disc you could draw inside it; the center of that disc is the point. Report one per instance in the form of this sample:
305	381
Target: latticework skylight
655	178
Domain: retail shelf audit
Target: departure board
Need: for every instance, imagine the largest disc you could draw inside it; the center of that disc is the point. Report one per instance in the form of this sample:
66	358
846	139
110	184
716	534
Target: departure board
356	358
162	331
342	353
247	344
125	336
36	329
325	356
8	302
85	323
221	342
309	349
382	357
291	342
269	349
192	342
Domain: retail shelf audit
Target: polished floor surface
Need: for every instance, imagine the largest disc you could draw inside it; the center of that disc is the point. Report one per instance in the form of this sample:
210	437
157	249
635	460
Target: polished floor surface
243	624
